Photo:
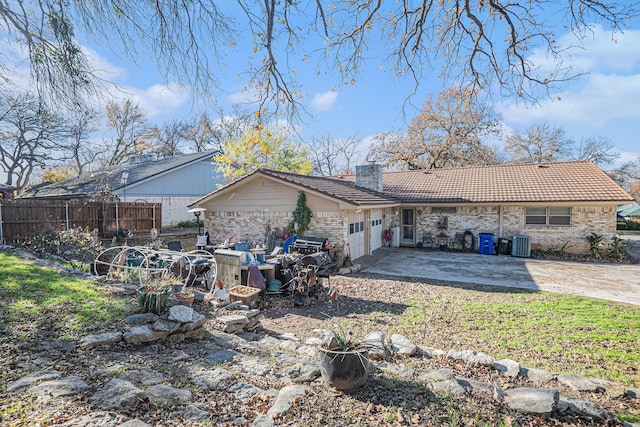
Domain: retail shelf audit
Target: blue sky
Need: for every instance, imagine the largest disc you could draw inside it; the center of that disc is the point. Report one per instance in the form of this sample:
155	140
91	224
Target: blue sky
604	102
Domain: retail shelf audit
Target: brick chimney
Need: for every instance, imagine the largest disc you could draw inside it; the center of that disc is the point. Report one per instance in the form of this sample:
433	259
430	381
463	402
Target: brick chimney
369	176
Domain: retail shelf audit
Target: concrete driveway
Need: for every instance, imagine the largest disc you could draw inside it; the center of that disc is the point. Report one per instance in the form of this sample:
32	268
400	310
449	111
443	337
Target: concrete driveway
615	282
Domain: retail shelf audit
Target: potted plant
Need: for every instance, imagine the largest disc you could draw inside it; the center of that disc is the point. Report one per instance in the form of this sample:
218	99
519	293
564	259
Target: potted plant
184	297
154	297
344	362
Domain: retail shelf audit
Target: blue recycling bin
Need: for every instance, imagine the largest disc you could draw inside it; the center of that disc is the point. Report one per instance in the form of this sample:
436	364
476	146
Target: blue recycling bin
486	243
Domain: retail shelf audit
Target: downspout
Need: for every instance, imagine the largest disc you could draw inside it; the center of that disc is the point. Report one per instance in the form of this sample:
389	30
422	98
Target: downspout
66	216
501	212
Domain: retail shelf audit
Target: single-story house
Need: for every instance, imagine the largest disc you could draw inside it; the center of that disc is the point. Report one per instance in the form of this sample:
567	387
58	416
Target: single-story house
629	211
172	182
555	205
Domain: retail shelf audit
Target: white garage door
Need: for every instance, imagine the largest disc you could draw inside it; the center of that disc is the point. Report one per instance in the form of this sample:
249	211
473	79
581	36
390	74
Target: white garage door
356	235
376	229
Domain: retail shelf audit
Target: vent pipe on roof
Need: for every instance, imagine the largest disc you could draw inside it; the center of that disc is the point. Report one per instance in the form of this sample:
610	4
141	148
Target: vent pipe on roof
369	176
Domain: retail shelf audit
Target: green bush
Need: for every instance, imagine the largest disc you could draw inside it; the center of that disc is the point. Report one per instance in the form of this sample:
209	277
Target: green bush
190	224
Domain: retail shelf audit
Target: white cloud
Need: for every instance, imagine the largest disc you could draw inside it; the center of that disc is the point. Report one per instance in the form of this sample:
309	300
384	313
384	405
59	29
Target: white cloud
156	100
324	101
604	98
103	68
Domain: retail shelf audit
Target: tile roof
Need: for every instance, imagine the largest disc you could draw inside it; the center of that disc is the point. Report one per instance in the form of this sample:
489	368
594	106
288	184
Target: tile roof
578	181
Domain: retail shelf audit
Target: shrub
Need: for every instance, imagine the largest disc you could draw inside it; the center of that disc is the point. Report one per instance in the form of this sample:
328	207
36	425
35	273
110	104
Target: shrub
77	246
595	242
190	224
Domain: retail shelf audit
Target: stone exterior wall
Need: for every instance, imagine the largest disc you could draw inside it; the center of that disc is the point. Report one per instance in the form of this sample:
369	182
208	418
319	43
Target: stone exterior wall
486	219
249	226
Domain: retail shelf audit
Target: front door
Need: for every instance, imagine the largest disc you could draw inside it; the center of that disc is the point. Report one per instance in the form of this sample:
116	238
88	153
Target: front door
407	228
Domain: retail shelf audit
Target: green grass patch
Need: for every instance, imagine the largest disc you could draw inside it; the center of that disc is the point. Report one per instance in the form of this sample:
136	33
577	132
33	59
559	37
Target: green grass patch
547	331
40	303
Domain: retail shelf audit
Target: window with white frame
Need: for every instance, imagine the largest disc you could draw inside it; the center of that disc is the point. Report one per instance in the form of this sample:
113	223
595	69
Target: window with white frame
560	216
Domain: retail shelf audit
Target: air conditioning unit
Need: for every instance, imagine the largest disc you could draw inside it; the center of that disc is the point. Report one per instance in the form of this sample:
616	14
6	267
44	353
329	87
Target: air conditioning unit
521	245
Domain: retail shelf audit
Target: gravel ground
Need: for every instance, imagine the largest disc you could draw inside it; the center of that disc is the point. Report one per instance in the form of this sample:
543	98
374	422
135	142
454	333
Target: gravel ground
365	303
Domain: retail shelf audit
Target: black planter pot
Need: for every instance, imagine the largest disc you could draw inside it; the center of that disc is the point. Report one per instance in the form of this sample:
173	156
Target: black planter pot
344	370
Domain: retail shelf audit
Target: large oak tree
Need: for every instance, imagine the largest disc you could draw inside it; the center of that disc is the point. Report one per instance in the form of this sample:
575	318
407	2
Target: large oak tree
450	131
478	43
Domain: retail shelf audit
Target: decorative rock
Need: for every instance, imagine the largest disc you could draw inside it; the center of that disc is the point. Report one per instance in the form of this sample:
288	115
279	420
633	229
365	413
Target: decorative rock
106	338
471	357
286	398
252	314
288	336
498	393
437	375
307	350
32	378
141	319
143	377
374	341
63	387
196	321
216	380
222	356
233	319
532	400
537	375
135	423
195	413
234	305
164	325
402	345
303	372
164	395
181	313
579	383
447	386
476	386
398	371
118	393
244	391
329	340
194	334
143	334
507	367
585	407
288	345
96	419
175	338
633	393
263	421
313	341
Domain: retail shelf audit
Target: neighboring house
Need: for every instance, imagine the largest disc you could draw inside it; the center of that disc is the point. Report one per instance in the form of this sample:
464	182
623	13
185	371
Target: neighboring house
556	205
631	211
173	182
6	191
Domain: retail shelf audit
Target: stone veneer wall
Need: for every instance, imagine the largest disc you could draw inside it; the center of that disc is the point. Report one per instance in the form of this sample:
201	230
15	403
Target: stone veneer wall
486	219
248	226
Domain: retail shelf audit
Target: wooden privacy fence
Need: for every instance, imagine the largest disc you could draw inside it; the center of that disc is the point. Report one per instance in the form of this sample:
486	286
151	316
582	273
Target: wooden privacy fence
21	219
